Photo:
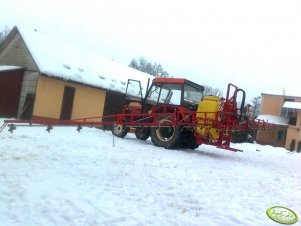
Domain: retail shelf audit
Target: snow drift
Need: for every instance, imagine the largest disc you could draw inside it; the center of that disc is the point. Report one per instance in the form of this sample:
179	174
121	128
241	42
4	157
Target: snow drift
91	178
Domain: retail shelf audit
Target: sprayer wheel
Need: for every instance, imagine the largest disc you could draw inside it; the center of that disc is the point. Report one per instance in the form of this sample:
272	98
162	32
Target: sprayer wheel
120	130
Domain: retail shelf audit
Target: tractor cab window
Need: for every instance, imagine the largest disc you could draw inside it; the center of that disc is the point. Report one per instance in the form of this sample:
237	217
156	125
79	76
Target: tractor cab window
165	94
170	94
192	95
133	90
153	94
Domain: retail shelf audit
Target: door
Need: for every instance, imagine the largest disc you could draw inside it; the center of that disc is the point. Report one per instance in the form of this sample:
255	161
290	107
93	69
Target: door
10	91
67	103
113	105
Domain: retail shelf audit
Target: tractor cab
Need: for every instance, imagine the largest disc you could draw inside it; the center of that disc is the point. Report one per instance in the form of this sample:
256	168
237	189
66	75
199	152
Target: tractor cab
168	92
172	92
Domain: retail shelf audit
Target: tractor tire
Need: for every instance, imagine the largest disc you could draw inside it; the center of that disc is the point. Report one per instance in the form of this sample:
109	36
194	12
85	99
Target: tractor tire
188	140
120	130
191	146
167	137
142	133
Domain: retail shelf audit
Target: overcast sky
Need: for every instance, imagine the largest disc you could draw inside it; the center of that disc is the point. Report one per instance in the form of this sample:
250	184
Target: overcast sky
253	44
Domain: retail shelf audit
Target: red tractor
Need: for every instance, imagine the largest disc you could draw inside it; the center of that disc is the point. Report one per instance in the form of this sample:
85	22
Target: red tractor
175	114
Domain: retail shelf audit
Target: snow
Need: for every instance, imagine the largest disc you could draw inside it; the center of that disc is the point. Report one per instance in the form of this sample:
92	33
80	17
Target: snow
60	59
273	119
8	67
90	178
293	105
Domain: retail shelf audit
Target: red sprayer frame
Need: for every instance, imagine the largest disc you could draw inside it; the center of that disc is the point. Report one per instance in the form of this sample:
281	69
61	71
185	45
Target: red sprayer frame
183	118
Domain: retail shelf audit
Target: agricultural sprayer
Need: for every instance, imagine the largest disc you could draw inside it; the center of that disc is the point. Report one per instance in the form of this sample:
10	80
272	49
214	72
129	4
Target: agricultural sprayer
173	113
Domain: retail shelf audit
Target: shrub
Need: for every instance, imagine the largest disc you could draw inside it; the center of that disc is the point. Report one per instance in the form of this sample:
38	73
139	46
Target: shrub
299	146
292	145
241	137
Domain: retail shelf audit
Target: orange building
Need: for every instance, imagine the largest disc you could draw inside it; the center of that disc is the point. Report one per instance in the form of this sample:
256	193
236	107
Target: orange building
284	110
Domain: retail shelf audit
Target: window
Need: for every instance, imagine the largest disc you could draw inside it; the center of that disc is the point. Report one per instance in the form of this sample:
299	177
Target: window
165	94
133	89
281	136
153	94
170	94
192	95
287	112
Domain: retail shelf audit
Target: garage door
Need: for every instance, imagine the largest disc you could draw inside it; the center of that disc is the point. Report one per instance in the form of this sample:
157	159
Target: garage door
10	90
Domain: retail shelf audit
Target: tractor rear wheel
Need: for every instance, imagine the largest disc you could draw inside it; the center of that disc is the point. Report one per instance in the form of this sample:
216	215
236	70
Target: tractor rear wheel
191	146
188	140
142	133
120	130
166	135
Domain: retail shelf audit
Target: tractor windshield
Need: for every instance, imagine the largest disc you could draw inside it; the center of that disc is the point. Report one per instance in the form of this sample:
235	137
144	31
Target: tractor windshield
170	94
165	94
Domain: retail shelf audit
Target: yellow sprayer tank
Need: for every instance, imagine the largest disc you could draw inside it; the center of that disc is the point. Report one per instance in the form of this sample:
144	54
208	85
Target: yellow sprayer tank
210	104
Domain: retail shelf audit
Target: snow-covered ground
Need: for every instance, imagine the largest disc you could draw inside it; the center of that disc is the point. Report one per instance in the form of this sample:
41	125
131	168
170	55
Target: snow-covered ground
69	178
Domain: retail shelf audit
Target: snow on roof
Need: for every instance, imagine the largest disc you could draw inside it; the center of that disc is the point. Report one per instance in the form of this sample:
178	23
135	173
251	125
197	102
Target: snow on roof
60	59
273	119
293	105
9	67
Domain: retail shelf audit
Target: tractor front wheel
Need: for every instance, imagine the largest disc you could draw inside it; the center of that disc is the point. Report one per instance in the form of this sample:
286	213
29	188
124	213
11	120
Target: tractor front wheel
142	133
166	135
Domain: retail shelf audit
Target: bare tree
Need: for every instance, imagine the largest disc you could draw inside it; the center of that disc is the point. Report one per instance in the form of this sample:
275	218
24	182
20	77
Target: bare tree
154	69
209	90
4	33
256	106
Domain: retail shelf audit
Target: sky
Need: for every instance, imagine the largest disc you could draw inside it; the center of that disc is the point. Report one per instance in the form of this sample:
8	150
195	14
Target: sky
255	45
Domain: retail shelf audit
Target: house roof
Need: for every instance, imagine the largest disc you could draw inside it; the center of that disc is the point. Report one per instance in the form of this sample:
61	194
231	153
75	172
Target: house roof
273	119
292	105
66	61
281	95
9	68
